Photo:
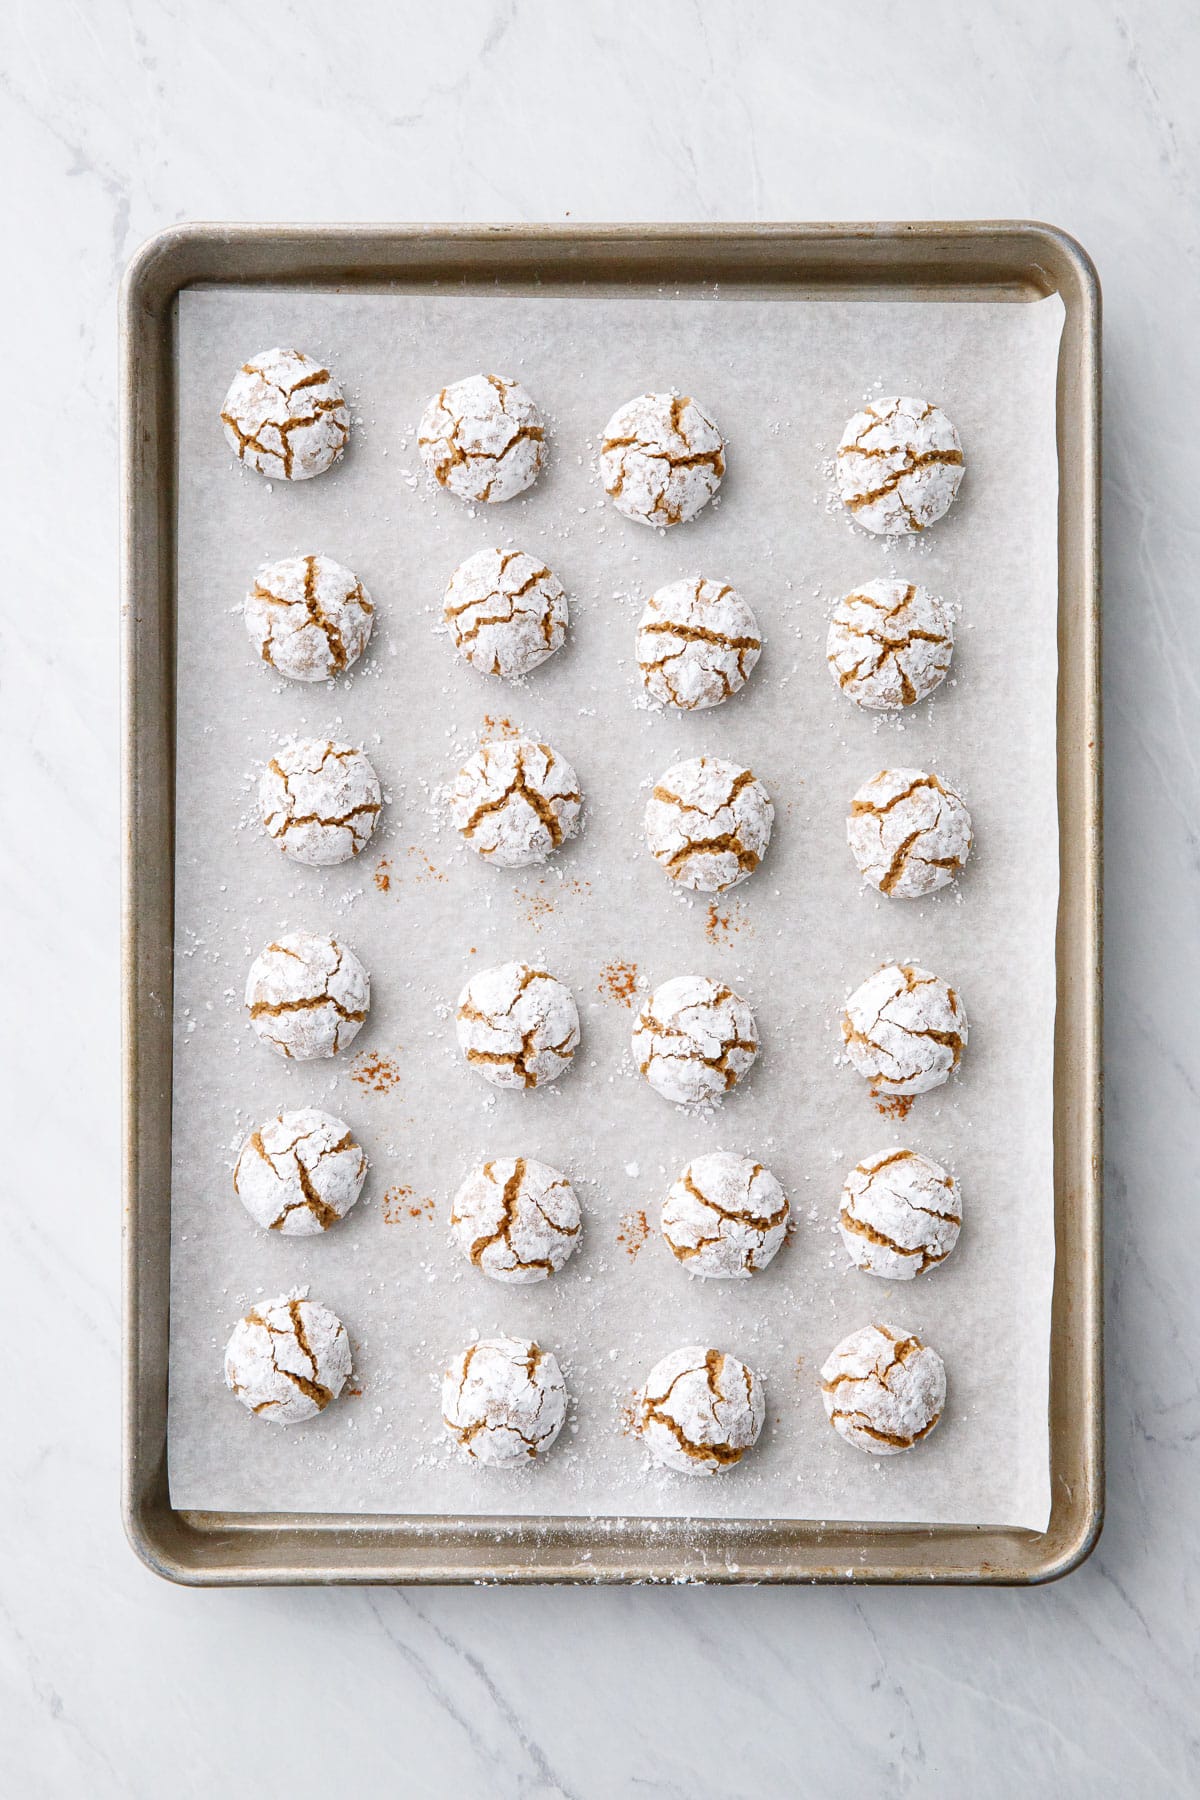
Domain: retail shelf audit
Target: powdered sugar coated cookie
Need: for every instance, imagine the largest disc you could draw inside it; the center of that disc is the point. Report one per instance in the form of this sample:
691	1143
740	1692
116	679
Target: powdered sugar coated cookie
504	1400
889	644
285	415
300	1173
725	1216
307	996
909	832
483	438
319	801
708	823
515	801
899	465
287	1359
697	642
694	1039
517	1219
308	617
518	1027
883	1390
506	612
700	1410
900	1214
662	459
905	1030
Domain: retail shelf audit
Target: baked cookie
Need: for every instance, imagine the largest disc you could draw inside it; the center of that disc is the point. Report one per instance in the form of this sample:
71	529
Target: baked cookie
506	612
285	415
287	1359
517	1026
515	801
697	642
908	832
708	823
725	1216
483	438
889	644
883	1391
694	1039
661	459
319	801
299	1173
307	995
516	1219
905	1030
700	1411
899	465
900	1214
308	617
504	1400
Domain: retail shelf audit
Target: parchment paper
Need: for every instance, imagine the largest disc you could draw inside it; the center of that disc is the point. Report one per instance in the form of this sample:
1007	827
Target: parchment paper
781	377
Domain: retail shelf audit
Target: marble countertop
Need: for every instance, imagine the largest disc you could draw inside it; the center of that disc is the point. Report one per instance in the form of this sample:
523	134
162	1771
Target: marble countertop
120	117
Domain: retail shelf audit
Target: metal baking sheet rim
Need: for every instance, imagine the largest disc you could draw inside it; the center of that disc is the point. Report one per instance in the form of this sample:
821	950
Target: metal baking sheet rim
969	260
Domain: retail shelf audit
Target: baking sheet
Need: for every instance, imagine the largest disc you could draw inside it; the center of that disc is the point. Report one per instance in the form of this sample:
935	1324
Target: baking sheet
781	377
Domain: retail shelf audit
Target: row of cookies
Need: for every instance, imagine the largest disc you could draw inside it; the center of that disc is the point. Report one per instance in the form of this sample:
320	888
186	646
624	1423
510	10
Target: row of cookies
662	456
889	644
707	822
504	1400
694	1038
517	1219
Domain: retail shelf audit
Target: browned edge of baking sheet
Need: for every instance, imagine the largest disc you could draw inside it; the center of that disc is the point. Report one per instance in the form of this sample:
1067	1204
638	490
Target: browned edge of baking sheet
969	261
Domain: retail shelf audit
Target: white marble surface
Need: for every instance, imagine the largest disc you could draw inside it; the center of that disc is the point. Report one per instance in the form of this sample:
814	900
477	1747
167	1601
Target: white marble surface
118	119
